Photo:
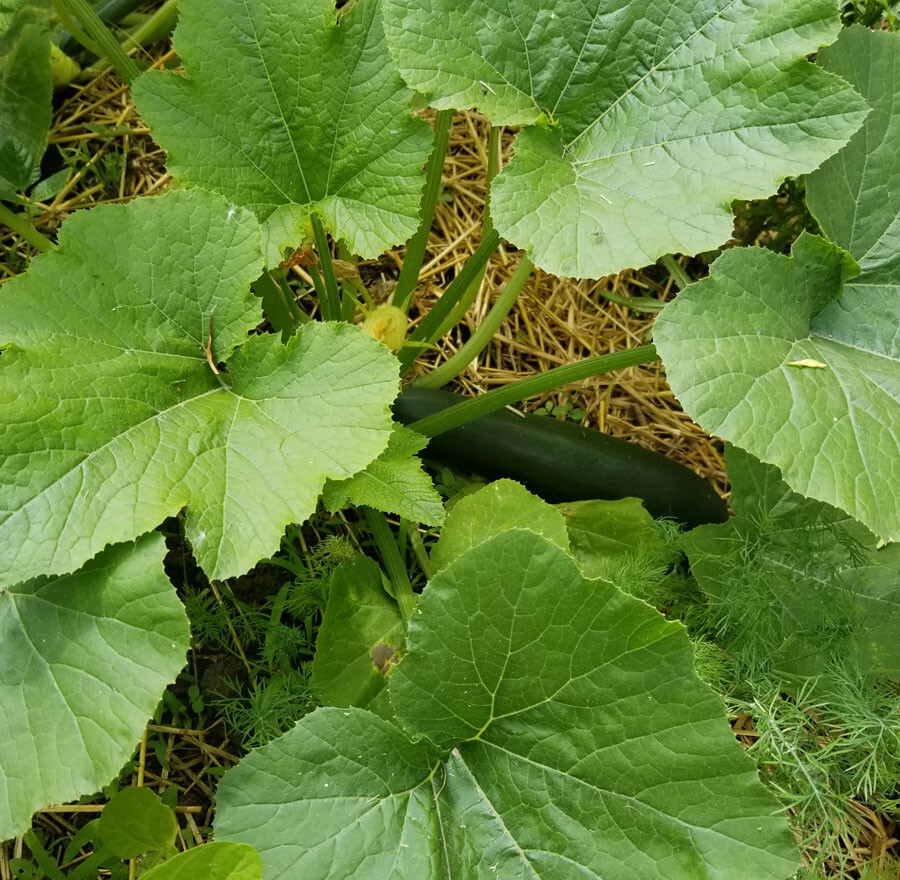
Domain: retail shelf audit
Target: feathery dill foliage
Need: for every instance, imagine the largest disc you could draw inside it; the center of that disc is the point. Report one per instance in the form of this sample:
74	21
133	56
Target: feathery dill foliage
267	707
743	620
277	636
823	744
834	744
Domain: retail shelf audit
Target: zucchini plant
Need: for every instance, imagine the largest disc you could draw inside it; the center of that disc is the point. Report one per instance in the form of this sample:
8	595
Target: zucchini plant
523	717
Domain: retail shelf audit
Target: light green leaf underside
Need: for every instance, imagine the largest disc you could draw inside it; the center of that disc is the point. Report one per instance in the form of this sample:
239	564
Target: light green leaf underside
663	113
135	822
25	95
604	534
360	639
286	112
496	508
818	571
394	483
83	660
212	861
731	343
598	752
112	419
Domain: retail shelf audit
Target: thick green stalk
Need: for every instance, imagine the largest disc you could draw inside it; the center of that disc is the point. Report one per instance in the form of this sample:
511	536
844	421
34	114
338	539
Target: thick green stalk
76	32
331	305
418	244
352	289
457	415
106	43
493	168
676	270
429	329
110	12
393	562
24	228
157	26
418	547
481	338
154	28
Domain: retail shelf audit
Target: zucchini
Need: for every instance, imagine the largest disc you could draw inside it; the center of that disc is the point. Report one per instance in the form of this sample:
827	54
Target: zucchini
562	461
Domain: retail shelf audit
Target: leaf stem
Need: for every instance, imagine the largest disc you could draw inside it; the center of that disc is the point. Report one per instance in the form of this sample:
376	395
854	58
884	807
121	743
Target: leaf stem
154	28
76	32
429	329
106	43
390	553
493	167
24	228
676	270
331	304
277	302
483	334
418	547
418	244
460	413
637	303
157	26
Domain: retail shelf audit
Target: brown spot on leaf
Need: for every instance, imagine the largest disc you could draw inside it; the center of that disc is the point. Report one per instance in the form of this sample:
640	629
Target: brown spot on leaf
384	657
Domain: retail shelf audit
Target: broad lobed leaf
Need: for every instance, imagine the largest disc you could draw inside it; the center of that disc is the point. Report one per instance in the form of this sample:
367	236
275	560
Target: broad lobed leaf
768	354
136	822
605	535
289	110
854	195
119	420
395	482
798	360
652	116
493	509
83	661
572	738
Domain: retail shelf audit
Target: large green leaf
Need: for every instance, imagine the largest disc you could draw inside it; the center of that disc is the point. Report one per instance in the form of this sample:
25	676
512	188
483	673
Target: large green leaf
287	111
135	822
798	578
395	483
496	508
769	355
360	639
652	116
833	431
575	737
83	661
605	535
25	94
112	418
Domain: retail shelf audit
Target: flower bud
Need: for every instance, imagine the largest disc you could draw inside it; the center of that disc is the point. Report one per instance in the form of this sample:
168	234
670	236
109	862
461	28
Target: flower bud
387	324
